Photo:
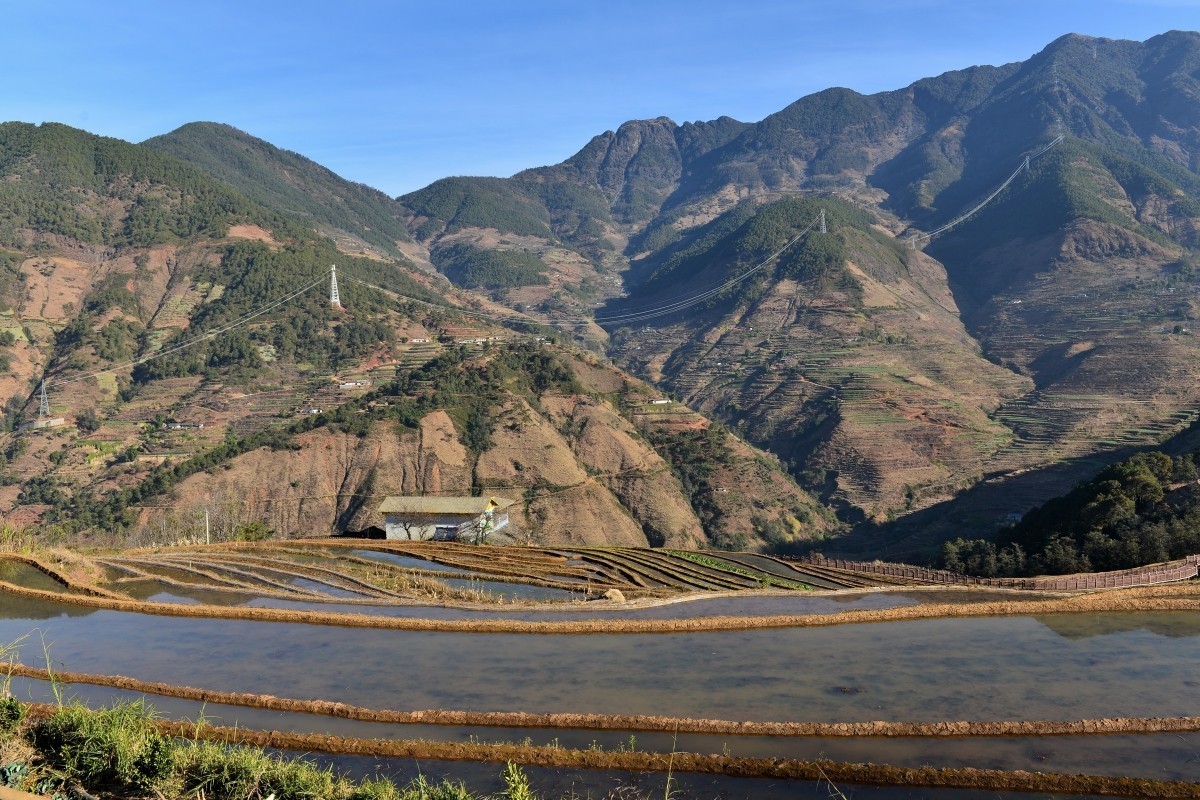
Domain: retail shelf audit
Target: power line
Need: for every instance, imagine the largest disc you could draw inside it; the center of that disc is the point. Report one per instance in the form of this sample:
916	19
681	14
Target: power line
335	301
917	237
245	318
635	314
439	307
631	315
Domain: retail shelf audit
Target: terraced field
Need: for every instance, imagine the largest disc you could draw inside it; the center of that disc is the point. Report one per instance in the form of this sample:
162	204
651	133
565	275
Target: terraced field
352	571
599	662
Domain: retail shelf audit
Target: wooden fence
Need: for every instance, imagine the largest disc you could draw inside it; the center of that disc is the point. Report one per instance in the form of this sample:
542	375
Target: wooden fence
1167	572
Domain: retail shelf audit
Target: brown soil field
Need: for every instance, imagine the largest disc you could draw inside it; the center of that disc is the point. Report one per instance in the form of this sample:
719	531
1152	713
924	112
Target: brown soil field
55	287
252	232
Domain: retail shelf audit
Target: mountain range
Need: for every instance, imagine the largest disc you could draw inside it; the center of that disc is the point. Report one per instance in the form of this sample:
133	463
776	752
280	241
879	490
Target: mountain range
775	278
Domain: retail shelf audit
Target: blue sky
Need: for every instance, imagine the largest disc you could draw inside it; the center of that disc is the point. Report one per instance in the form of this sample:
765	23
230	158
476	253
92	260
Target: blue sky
397	94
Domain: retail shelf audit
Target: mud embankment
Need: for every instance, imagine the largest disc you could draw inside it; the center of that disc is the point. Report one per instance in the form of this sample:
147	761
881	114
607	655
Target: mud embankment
60	577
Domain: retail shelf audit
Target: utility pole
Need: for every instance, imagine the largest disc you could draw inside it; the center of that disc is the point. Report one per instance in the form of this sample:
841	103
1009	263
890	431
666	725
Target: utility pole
207	537
335	299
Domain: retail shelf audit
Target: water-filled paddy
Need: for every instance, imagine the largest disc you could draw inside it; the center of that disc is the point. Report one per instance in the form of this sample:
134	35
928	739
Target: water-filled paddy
975	668
1163	756
31	577
406	562
577	609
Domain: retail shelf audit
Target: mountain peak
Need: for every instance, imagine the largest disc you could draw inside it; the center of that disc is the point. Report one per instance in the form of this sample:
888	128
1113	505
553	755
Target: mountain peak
364	219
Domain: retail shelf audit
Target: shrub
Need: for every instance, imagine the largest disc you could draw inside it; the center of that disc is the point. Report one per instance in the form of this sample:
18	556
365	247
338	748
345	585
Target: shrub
516	784
117	746
12	711
255	531
226	772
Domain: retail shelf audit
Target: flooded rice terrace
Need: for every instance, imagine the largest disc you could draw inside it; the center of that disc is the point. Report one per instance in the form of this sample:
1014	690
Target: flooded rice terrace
1030	667
1170	756
928	670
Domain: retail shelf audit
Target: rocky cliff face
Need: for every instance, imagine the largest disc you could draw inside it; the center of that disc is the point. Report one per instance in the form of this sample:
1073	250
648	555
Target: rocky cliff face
580	471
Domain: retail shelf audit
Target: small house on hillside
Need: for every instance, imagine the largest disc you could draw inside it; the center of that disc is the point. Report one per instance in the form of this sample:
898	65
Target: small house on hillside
469	519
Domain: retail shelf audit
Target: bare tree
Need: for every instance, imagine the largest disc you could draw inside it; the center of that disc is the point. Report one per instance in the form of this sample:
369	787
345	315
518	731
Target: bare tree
412	528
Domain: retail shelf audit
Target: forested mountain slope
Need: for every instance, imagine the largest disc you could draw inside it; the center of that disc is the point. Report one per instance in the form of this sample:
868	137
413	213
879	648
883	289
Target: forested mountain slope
189	348
361	219
921	384
1049	330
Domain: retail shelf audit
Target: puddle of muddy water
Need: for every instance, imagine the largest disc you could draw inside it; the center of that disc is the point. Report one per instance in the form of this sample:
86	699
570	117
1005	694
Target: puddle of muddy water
928	670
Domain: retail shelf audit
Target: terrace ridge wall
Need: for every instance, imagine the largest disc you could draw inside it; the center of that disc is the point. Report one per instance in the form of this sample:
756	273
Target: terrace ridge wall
1167	572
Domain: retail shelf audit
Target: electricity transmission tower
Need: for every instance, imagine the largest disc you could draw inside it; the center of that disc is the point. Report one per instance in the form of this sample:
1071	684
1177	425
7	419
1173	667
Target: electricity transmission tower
335	299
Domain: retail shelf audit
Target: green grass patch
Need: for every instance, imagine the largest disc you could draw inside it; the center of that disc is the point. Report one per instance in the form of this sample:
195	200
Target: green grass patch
107	383
118	746
119	751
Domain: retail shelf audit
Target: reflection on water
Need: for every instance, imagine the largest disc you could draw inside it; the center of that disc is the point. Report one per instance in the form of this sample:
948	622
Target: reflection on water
968	596
580	783
406	562
159	592
990	668
25	609
31	577
1082	626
